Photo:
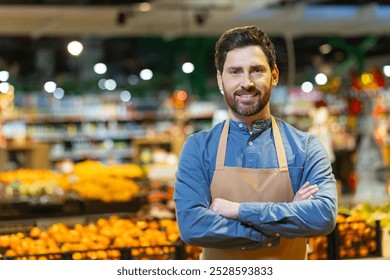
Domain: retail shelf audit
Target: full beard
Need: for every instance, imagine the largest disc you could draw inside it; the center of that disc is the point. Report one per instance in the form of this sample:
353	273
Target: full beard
251	107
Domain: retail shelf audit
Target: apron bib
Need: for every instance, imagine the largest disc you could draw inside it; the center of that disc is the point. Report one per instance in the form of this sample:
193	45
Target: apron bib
254	185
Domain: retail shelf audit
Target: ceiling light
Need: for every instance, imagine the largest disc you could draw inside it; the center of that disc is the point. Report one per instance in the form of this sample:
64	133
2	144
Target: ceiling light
325	48
50	86
4	87
125	96
307	87
188	67
110	84
146	74
133	79
321	79
386	70
58	93
75	48
101	84
144	7
100	68
4	76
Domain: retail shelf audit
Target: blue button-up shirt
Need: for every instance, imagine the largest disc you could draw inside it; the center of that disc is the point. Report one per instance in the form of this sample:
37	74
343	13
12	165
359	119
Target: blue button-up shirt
259	223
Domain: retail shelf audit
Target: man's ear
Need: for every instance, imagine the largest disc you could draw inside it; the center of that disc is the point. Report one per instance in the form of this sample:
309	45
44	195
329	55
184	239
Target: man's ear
275	76
220	84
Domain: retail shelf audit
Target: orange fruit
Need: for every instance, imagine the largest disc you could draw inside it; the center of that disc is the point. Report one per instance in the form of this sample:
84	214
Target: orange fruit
35	232
77	256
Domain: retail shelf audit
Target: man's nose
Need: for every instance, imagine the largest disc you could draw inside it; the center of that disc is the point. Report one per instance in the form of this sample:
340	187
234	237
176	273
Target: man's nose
247	82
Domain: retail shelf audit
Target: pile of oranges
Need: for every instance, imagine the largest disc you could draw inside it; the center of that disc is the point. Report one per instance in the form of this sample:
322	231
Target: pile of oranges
106	238
355	239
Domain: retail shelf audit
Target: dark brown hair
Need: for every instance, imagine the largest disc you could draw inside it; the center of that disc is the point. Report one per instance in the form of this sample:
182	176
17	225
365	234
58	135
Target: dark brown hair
240	37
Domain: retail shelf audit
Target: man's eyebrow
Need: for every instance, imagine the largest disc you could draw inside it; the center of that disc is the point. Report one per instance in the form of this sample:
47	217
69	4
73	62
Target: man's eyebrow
258	66
233	68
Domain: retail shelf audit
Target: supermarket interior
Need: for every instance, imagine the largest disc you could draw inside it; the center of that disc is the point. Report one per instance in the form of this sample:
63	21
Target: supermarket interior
97	98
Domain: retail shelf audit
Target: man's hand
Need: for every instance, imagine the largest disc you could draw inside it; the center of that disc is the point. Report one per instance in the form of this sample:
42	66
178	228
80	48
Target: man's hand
306	192
226	208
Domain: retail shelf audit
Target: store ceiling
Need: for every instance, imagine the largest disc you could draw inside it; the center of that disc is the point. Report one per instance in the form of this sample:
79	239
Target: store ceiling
172	18
30	29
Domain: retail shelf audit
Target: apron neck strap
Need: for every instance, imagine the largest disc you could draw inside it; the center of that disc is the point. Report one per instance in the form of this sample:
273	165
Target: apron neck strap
222	145
279	144
220	162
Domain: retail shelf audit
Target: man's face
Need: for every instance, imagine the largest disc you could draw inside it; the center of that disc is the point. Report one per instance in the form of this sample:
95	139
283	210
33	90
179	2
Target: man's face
247	80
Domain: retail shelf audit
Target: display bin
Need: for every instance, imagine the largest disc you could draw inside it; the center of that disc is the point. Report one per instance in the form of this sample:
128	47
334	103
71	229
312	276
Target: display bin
69	207
318	248
162	252
12	226
121	236
98	207
349	240
356	240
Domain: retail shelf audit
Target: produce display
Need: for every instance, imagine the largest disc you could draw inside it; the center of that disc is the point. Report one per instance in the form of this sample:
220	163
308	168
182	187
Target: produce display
94	180
32	183
369	213
88	180
352	238
106	238
154	234
357	233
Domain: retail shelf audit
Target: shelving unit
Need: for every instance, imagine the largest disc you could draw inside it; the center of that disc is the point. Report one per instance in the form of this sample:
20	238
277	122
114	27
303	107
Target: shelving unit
87	127
28	155
77	138
171	144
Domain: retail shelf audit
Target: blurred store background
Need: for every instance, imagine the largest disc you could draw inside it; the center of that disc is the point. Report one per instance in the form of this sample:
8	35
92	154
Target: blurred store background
110	89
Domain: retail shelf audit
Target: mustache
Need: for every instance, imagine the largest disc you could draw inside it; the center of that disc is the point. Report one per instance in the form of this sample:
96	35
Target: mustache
244	91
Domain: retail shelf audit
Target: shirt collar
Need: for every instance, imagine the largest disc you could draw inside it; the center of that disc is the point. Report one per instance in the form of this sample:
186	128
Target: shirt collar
261	125
258	127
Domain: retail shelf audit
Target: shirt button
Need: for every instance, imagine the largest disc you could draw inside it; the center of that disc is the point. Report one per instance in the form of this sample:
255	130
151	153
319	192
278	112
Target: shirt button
269	245
277	235
240	125
250	143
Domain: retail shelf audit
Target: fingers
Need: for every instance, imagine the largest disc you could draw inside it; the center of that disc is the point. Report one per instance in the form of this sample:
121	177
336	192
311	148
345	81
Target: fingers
306	192
309	192
306	188
305	185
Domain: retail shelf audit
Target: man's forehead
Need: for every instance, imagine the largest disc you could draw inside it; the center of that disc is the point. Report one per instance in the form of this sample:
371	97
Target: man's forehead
245	57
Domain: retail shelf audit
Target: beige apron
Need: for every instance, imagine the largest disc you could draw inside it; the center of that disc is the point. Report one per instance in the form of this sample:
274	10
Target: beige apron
261	185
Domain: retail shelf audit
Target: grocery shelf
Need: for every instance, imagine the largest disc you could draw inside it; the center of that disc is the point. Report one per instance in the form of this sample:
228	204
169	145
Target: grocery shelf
162	252
19	210
99	153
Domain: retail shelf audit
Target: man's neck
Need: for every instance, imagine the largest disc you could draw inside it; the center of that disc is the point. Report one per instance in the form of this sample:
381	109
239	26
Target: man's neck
249	120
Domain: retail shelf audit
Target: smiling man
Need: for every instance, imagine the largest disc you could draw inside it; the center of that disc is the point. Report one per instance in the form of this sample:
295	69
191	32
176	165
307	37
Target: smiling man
252	187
